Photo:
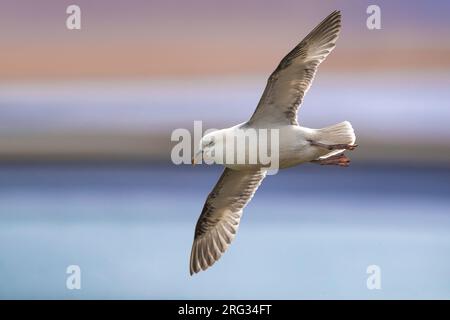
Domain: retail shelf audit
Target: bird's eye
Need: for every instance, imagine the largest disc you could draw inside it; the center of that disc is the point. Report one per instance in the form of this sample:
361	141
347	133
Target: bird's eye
207	144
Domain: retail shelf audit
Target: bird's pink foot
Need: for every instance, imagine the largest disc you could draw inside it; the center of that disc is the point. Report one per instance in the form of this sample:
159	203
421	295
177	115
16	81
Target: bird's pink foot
338	160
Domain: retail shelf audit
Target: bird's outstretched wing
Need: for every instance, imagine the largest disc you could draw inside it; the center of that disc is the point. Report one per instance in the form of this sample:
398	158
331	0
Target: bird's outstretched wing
219	220
290	81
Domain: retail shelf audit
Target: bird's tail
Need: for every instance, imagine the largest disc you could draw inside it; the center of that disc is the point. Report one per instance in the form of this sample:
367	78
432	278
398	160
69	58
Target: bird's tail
341	133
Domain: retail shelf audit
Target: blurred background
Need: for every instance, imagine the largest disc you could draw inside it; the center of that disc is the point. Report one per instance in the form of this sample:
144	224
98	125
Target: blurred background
86	177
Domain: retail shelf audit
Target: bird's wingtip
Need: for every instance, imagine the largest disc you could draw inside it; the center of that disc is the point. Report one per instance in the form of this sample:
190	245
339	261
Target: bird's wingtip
336	13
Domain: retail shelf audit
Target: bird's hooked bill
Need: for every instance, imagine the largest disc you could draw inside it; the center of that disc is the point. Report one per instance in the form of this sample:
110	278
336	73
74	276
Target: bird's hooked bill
194	158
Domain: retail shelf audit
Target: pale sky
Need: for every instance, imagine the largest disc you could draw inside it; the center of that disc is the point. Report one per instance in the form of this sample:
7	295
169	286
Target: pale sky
204	37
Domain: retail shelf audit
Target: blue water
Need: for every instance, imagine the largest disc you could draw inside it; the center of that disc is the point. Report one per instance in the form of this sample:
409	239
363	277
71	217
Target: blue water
310	232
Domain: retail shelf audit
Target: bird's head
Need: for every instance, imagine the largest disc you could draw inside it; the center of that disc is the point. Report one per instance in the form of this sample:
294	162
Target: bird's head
206	147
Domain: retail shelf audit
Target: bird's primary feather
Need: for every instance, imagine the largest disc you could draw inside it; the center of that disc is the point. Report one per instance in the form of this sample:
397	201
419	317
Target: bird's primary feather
219	220
292	78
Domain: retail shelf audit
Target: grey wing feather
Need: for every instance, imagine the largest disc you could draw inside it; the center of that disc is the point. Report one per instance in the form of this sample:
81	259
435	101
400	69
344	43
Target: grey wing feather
292	78
221	214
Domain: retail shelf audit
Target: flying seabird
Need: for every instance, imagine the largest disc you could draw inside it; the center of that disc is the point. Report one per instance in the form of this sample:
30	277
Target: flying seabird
277	109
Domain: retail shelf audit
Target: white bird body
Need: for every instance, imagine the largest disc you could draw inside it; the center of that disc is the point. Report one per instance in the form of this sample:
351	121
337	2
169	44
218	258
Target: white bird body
294	143
275	114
